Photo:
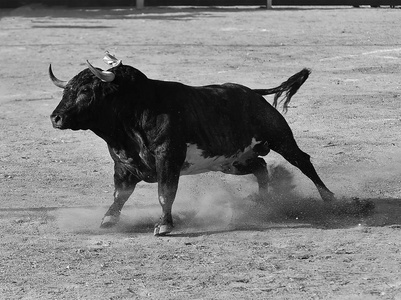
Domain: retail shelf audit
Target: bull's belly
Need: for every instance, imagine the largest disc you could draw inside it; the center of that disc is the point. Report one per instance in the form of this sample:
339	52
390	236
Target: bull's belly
196	163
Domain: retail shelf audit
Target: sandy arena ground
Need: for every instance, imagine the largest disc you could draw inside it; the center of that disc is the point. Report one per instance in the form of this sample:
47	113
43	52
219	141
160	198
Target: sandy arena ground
56	185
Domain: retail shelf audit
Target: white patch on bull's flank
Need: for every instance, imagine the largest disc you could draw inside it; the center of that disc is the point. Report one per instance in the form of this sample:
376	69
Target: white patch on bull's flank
196	163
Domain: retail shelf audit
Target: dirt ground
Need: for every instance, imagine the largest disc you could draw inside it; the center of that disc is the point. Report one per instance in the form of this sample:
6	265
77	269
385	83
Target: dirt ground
56	185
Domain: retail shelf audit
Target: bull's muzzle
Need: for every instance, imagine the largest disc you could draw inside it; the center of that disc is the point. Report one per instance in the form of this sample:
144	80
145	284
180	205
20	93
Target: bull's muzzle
57	120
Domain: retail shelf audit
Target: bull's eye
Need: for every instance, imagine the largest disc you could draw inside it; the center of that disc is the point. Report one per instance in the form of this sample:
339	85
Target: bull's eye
81	97
85	90
83	94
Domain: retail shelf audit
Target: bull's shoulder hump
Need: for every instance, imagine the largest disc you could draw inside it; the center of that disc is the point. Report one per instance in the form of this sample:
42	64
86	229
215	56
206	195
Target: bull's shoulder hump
166	84
227	85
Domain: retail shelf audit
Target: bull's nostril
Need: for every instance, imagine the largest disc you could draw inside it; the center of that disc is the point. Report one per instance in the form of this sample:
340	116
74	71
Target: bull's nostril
57	121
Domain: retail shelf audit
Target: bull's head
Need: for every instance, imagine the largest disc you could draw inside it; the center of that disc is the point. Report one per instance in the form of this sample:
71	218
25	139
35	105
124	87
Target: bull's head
77	108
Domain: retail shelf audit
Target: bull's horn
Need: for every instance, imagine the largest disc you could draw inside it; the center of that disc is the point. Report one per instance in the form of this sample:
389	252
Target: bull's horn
104	76
60	83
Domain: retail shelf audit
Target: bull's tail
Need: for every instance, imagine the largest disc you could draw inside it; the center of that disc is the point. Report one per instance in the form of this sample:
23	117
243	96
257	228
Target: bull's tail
290	87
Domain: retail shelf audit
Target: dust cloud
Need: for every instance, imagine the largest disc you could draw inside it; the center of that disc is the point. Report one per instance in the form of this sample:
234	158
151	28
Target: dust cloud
289	202
79	219
207	204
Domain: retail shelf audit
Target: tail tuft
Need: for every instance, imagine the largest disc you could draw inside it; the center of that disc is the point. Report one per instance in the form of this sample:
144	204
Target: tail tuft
289	87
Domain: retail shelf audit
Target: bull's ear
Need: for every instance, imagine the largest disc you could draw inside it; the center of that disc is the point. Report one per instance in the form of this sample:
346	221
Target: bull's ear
105	76
57	82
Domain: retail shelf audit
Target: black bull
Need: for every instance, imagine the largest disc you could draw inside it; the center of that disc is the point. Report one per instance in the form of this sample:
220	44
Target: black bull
158	130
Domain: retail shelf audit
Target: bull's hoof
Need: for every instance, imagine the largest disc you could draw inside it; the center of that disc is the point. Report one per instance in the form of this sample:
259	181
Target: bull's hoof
161	230
109	221
327	196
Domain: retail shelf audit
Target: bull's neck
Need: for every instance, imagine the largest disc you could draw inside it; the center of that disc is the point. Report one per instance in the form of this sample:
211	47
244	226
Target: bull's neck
119	120
112	132
118	131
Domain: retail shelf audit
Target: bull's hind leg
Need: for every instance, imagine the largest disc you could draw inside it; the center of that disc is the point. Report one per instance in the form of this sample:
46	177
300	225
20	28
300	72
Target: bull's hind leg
251	163
124	184
257	167
298	158
291	152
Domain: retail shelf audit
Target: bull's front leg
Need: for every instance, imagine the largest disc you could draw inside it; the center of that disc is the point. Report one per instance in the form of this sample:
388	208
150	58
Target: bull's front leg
168	173
124	185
